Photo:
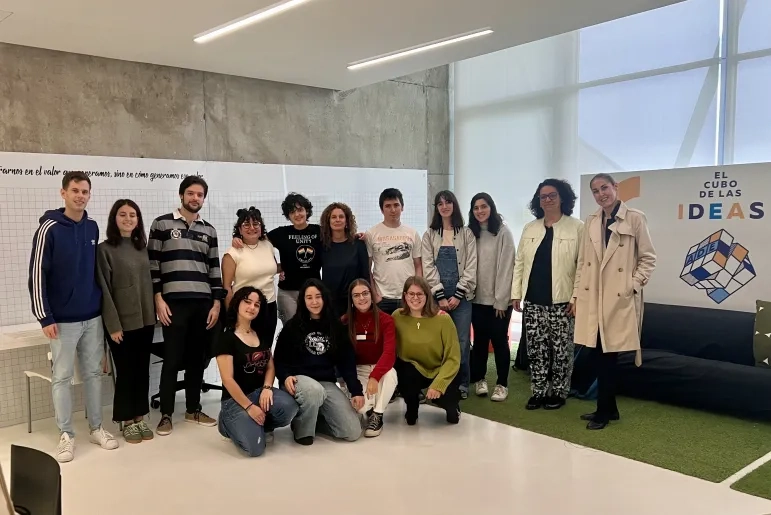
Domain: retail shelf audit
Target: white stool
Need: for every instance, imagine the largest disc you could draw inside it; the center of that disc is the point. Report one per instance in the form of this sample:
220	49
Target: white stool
46	374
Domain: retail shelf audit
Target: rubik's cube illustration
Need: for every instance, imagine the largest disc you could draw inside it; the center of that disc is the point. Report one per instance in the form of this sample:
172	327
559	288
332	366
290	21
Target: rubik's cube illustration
718	265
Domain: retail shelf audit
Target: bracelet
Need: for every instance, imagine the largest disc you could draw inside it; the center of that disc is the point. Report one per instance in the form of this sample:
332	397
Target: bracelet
249	406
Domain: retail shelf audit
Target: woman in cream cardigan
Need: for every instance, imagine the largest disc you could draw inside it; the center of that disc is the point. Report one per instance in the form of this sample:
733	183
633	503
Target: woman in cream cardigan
544	273
615	262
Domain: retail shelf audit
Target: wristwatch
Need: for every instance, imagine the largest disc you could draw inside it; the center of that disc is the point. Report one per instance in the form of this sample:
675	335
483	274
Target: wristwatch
267	387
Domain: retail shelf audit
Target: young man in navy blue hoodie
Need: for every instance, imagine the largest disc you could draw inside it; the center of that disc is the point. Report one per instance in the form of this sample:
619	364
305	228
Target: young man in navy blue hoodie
66	300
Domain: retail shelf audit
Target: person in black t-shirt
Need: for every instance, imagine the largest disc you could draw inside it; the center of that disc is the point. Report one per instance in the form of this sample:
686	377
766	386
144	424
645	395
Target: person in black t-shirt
345	256
311	347
251	409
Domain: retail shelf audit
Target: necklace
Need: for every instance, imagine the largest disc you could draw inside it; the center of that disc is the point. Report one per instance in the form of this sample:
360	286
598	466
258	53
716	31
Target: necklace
251	246
366	327
244	331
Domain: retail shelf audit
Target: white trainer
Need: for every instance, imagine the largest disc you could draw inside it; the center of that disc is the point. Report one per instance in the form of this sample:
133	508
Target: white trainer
65	451
500	393
481	388
103	439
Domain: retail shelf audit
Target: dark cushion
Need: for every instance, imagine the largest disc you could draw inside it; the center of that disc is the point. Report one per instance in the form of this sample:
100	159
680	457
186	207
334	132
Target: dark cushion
762	339
697	383
716	334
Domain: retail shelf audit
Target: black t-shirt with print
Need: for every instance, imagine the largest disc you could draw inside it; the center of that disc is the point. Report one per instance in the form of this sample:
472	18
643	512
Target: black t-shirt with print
249	363
300	253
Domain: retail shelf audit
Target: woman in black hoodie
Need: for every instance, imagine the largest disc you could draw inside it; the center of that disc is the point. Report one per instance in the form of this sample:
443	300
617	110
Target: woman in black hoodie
312	344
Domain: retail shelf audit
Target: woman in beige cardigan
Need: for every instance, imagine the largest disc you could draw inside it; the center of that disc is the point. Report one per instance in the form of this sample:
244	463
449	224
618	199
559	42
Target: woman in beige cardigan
615	261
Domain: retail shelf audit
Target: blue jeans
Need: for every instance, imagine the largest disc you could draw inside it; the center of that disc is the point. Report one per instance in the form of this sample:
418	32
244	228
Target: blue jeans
236	424
325	405
86	339
461	317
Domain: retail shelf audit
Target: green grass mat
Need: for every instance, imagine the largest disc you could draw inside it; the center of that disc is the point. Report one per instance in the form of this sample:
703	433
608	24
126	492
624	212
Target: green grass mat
696	443
758	483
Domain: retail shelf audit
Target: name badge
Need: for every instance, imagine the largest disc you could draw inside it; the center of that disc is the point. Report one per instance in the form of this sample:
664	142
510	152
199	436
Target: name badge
361	337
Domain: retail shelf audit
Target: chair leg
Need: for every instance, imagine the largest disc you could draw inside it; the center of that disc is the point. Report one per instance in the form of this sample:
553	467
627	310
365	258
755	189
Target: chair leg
29	407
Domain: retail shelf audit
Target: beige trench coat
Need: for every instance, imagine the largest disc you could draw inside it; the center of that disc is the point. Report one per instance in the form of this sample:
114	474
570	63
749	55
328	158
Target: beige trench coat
608	289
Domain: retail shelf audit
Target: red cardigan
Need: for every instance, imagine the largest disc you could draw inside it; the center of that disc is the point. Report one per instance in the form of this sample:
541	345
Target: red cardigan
381	353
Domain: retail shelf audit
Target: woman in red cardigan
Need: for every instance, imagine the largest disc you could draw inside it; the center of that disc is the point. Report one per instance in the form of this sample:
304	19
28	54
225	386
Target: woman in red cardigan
373	335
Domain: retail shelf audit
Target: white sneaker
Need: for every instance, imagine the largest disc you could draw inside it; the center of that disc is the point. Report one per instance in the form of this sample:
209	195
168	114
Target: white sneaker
103	439
65	451
481	388
500	393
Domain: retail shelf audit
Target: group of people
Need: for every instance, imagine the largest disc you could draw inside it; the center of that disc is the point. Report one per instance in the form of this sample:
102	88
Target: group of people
366	316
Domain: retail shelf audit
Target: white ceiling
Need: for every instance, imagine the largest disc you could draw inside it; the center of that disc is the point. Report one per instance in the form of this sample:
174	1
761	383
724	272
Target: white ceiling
311	44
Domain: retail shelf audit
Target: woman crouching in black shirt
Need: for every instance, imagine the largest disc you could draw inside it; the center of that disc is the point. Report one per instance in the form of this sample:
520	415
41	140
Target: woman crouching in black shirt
251	409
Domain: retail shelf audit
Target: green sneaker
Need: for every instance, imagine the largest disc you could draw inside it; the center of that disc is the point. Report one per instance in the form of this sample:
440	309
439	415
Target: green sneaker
144	430
132	433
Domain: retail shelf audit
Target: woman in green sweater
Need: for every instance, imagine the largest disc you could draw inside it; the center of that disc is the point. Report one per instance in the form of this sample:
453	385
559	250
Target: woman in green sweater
128	311
428	352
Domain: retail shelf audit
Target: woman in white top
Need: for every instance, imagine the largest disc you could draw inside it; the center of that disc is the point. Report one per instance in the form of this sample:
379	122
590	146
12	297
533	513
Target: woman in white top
450	268
253	265
544	271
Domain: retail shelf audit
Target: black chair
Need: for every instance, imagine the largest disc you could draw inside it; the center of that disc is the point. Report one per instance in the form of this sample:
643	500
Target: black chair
36	482
158	350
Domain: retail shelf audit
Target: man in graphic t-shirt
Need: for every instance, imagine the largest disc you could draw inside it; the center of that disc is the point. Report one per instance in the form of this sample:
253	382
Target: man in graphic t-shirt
394	252
299	246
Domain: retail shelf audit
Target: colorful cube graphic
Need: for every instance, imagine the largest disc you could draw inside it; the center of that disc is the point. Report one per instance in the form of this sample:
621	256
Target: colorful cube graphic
718	265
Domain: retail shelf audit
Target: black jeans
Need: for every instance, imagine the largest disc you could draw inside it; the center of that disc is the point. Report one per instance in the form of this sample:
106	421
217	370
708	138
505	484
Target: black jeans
186	344
271	314
389	305
132	374
606	383
411	382
488	327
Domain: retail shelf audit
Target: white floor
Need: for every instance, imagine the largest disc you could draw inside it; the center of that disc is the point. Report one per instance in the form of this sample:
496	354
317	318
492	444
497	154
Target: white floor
477	467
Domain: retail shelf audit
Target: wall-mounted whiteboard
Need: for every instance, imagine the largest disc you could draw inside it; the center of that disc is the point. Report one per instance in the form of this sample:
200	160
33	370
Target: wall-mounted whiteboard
30	184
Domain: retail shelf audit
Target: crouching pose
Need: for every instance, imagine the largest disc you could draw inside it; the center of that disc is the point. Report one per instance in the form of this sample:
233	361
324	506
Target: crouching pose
251	409
310	346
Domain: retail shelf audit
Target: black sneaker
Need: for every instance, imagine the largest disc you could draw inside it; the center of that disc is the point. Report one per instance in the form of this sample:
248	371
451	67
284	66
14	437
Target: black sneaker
535	402
374	426
590	416
553	402
463	395
411	417
305	440
453	417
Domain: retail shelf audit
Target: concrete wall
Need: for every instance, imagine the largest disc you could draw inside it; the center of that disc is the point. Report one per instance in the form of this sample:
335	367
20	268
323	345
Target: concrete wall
56	102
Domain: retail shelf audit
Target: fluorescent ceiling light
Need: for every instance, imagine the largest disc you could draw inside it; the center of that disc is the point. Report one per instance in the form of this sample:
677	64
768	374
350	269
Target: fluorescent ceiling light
247	20
420	48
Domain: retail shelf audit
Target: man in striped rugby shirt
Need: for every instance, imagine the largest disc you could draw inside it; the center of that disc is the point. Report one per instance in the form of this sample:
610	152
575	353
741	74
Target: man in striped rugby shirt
187	282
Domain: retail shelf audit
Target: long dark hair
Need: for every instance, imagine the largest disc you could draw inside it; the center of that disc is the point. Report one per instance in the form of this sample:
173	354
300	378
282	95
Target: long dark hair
456	218
326	228
564	190
259	324
138	236
493	223
328	321
249	215
353	312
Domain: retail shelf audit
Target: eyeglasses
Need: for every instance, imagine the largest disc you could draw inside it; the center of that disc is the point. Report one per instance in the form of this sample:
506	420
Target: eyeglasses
413	295
362	295
550	196
253	225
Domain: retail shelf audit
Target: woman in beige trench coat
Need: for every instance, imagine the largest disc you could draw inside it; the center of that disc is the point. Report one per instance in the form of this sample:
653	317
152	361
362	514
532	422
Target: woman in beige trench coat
615	261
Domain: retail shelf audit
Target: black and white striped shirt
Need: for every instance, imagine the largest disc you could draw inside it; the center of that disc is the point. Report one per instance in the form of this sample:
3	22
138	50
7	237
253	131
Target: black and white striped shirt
184	260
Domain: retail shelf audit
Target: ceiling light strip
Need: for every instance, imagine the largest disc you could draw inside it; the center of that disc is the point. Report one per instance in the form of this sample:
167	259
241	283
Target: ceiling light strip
247	20
420	48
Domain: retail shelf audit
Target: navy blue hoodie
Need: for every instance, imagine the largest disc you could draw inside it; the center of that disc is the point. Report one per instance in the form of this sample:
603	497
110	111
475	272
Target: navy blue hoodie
62	270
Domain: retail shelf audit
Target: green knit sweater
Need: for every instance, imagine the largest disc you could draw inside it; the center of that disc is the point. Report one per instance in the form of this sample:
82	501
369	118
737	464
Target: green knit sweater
431	345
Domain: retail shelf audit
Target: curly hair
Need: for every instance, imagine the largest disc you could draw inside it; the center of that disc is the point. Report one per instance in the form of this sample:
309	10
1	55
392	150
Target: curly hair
565	191
326	226
290	203
249	215
260	324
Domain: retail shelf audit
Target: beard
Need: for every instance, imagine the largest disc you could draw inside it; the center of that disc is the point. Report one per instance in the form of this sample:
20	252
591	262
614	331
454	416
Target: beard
192	209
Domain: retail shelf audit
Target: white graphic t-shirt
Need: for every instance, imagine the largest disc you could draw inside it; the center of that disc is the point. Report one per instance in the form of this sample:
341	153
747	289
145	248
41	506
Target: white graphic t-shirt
392	252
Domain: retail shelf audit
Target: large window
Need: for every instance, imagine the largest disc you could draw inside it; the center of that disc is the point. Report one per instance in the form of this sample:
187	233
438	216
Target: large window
684	85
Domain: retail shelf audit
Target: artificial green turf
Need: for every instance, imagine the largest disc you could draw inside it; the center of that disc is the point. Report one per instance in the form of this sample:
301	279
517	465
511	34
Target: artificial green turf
696	443
757	483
